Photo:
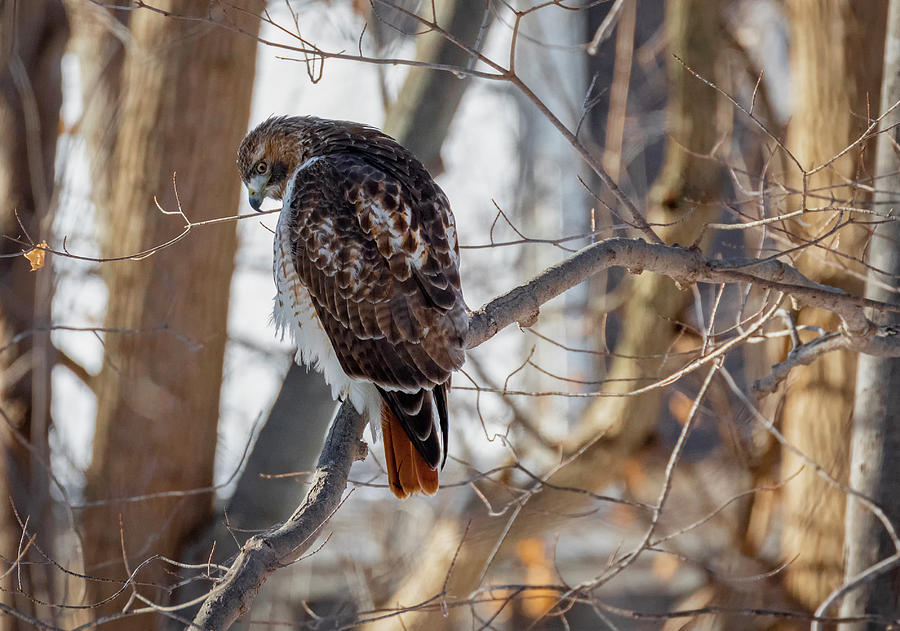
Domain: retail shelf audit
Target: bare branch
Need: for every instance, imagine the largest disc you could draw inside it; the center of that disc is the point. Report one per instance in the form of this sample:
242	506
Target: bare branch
264	554
522	304
805	354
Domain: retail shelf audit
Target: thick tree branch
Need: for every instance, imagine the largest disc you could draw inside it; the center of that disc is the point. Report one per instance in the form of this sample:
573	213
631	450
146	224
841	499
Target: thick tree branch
264	554
685	266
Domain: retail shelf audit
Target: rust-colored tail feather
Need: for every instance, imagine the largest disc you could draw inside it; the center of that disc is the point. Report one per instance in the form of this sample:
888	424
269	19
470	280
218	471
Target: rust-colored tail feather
407	470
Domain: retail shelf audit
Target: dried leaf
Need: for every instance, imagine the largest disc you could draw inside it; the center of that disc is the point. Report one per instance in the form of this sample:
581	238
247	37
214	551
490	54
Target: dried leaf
665	567
538	564
36	256
680	406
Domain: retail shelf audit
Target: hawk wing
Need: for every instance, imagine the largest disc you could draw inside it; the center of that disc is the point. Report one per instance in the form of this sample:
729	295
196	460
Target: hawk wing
375	246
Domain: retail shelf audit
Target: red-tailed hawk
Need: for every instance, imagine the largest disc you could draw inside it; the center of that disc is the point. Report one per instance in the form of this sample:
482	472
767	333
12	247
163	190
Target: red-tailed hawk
367	271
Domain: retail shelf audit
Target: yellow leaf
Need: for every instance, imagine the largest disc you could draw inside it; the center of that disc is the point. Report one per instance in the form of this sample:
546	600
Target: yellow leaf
680	406
36	256
665	567
538	571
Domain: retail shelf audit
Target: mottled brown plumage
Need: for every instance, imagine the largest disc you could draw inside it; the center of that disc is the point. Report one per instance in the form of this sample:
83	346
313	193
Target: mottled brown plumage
366	253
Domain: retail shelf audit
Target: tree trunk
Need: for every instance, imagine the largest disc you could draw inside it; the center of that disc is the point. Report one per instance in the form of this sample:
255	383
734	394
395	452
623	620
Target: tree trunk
185	99
680	200
836	57
420	117
626	423
33	40
98	39
875	447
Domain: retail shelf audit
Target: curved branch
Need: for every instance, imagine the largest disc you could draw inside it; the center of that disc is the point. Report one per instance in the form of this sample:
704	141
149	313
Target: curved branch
684	266
264	554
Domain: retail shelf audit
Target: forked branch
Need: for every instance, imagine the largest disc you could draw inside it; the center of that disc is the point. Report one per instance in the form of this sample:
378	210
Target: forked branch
263	554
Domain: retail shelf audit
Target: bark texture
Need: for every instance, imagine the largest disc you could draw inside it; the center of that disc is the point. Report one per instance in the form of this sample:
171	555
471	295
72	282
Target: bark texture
185	95
875	447
32	39
836	58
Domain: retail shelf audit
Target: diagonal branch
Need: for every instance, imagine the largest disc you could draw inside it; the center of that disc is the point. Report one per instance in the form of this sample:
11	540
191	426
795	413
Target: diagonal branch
685	266
263	554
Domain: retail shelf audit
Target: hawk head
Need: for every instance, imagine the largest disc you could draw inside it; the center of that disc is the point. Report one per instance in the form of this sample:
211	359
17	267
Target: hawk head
268	155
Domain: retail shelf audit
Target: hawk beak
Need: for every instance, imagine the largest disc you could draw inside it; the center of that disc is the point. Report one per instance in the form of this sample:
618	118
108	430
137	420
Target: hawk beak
255	198
256	190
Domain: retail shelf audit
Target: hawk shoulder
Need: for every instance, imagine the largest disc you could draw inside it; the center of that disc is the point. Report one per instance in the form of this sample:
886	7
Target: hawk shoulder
374	244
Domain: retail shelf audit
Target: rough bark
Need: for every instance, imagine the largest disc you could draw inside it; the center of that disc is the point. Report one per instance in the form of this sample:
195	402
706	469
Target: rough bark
836	57
875	446
32	40
625	423
185	97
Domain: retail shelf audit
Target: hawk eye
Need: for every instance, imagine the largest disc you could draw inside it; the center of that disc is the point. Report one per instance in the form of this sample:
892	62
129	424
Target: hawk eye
261	167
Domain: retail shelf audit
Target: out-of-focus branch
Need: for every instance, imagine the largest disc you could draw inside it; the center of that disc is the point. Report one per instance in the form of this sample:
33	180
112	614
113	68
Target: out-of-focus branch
262	555
428	101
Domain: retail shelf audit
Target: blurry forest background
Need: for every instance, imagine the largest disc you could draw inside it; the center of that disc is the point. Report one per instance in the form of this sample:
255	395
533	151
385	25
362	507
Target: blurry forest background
648	453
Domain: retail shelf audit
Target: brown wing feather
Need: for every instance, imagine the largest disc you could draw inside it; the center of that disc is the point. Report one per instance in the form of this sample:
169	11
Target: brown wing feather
370	245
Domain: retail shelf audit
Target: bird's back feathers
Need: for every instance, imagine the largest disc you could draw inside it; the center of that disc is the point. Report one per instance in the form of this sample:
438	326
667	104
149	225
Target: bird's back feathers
372	241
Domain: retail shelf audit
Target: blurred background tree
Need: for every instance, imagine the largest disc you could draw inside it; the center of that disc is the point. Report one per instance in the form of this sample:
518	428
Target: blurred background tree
34	38
556	464
179	94
836	64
